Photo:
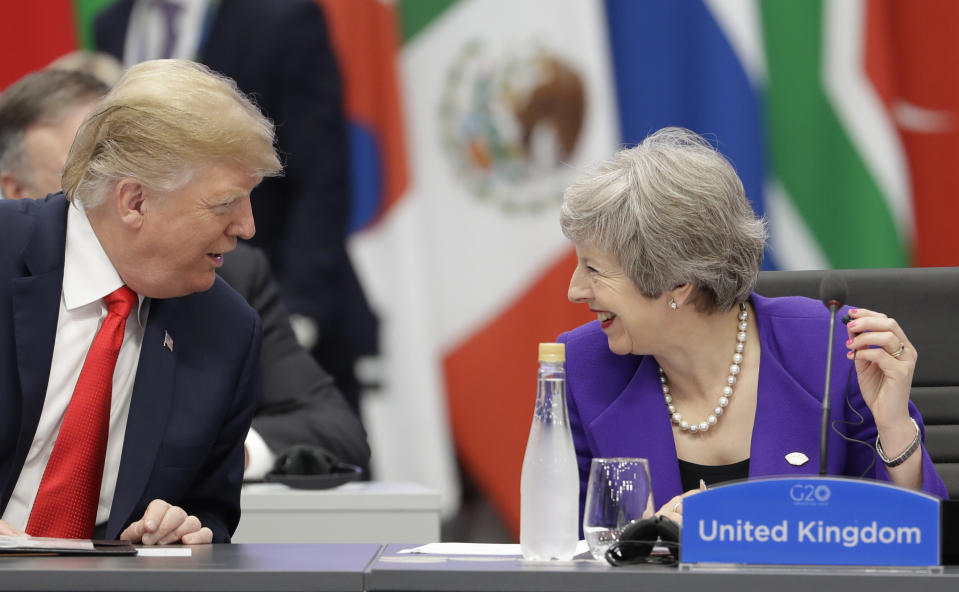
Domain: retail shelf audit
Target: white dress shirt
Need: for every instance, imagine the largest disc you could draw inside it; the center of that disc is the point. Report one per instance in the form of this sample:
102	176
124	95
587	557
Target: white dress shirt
261	457
88	276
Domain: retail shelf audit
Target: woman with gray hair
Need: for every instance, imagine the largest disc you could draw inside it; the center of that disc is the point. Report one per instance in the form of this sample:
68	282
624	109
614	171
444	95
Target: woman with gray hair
687	367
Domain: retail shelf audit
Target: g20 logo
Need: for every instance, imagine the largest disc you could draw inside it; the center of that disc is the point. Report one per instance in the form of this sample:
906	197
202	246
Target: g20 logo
807	493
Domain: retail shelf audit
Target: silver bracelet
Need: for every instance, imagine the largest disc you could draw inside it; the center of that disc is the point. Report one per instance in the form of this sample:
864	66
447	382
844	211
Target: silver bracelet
895	462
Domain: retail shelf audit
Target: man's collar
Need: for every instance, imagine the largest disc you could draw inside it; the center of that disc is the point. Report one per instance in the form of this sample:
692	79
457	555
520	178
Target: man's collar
88	274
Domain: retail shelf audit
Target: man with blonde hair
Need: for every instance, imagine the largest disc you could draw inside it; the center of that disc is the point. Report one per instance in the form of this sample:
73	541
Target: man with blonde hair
129	373
302	412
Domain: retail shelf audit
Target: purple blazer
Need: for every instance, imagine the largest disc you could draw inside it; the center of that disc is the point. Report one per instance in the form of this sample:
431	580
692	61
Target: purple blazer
616	406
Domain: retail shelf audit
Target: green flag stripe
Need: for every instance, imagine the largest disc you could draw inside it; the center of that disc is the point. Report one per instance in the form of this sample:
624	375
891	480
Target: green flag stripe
823	173
85	12
415	15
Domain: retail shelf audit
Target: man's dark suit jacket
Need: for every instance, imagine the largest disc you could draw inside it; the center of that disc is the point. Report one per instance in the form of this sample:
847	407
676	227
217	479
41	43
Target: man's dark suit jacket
191	407
301	404
279	53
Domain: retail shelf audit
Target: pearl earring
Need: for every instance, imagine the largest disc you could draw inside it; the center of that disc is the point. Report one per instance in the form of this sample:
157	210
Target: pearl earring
672	304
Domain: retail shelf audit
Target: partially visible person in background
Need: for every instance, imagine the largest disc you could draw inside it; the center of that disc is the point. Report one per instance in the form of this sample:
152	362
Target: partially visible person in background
100	64
279	53
303	416
39	117
302	411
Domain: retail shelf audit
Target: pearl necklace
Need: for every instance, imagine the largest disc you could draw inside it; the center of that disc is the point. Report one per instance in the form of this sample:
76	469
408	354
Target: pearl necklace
734	369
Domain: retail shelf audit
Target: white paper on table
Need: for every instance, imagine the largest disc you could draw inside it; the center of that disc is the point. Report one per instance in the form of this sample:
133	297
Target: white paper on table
464	549
164	552
26	542
477	549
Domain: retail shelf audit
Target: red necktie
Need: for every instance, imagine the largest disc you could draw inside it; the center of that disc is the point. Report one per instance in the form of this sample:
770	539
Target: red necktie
66	503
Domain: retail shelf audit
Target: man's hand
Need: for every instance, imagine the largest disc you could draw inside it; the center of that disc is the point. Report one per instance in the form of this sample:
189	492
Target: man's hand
163	524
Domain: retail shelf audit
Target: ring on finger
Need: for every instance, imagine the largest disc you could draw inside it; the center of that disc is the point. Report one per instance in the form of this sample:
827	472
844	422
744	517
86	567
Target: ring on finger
678	508
898	352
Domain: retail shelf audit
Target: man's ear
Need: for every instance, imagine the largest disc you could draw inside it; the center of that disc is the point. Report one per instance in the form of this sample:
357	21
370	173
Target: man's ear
129	197
11	186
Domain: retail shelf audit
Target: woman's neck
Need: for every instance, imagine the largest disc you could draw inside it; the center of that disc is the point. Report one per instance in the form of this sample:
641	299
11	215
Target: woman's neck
697	355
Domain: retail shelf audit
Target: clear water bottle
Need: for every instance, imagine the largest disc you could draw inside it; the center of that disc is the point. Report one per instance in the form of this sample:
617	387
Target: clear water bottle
549	486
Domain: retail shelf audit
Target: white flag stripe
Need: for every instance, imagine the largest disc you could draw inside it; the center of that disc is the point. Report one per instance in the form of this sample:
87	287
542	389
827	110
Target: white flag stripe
790	241
740	22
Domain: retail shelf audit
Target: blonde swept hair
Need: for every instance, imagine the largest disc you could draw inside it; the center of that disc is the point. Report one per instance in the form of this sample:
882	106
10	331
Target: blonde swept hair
162	121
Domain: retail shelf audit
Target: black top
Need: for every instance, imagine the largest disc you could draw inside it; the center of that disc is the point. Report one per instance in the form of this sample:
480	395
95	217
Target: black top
691	473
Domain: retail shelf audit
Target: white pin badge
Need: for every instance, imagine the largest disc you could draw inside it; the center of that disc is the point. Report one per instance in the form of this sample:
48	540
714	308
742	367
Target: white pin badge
167	341
797	458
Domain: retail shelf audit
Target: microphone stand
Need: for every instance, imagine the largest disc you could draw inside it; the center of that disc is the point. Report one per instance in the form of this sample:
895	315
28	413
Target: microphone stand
824	431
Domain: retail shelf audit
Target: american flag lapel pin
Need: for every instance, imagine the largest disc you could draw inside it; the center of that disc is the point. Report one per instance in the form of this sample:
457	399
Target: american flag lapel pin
167	341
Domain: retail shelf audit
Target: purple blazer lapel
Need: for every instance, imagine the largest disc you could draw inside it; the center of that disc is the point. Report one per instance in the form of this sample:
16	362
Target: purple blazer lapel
637	424
784	414
785	409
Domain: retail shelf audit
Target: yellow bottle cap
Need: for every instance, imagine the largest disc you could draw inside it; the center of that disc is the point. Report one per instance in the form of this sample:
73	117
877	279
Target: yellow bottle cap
552	352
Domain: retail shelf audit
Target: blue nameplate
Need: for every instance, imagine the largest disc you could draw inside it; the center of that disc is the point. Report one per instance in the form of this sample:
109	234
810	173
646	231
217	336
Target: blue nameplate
811	521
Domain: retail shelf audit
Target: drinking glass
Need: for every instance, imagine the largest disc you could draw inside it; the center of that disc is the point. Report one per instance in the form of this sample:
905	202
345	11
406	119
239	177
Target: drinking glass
617	493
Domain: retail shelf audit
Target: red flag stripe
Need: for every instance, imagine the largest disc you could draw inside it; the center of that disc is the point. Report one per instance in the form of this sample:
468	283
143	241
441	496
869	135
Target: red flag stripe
912	60
35	34
491	385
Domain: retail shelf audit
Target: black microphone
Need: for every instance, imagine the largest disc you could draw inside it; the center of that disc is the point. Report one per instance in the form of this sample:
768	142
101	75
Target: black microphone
832	292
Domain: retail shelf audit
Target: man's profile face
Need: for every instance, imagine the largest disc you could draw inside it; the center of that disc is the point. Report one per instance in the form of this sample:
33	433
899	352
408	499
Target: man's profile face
46	148
185	233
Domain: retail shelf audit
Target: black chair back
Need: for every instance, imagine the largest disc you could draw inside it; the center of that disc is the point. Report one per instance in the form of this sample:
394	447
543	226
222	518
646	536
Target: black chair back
925	303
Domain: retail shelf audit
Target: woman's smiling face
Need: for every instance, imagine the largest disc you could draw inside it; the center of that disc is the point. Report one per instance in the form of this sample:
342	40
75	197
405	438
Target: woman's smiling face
630	320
